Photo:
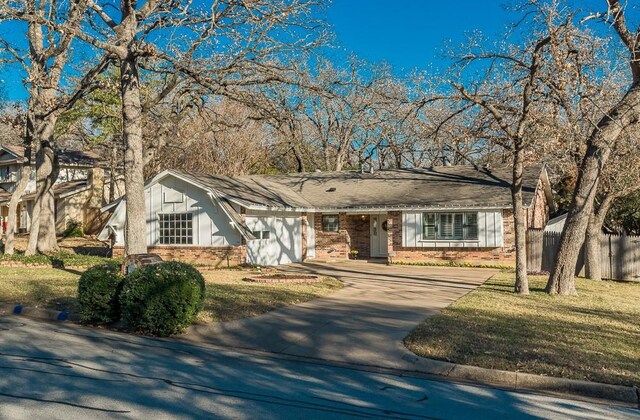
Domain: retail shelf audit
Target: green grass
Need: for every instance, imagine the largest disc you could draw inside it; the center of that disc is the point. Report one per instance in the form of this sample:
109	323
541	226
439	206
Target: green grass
60	260
40	287
594	336
227	296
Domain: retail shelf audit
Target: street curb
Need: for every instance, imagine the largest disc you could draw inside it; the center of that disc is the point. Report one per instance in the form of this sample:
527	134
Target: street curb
36	313
527	381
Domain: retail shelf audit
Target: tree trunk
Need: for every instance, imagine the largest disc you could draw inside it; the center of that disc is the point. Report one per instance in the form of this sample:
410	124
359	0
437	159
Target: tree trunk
593	249
43	223
47	240
136	226
34	228
16	196
112	169
624	114
520	225
593	239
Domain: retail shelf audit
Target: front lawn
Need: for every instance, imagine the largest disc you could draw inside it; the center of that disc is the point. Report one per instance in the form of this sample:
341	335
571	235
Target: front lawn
227	298
594	336
41	287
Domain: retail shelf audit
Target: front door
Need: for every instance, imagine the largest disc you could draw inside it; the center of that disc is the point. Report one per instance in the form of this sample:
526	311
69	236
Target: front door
378	234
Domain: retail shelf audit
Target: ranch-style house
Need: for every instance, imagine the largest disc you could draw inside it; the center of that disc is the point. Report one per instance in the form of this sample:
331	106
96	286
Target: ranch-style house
460	213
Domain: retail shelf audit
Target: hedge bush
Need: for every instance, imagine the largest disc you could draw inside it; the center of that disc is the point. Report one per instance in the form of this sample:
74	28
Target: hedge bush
162	299
73	230
99	294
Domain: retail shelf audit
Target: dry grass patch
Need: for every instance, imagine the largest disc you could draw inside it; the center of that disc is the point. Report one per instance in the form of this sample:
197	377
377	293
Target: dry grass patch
594	336
228	297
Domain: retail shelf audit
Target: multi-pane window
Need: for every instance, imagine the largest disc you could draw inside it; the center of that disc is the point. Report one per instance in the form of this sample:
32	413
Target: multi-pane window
330	223
261	234
176	228
450	226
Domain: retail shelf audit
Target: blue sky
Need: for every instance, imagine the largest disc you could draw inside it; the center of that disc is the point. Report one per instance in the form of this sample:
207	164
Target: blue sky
411	33
407	34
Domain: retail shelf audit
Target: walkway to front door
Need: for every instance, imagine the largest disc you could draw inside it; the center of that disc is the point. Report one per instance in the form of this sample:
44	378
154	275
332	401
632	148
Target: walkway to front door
363	323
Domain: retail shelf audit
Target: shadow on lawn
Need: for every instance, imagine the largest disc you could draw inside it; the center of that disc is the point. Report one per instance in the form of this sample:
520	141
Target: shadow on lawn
44	295
228	302
544	344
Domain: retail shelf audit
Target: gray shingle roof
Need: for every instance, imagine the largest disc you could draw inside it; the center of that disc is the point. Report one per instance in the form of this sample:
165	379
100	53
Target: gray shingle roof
66	157
69	187
446	187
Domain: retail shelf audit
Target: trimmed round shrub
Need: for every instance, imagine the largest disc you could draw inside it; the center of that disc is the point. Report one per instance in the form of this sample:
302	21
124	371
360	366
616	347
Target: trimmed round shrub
99	294
162	299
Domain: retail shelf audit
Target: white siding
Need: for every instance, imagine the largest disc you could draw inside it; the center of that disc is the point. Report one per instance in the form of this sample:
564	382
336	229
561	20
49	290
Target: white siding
490	232
311	235
284	244
211	227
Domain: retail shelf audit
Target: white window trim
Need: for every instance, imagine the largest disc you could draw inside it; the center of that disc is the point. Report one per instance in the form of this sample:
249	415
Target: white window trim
193	227
337	215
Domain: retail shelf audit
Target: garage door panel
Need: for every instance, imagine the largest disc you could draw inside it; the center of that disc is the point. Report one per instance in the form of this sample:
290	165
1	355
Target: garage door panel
281	245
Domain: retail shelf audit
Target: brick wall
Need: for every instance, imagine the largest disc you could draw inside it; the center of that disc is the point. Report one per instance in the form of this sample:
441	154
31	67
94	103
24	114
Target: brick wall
353	233
331	245
213	256
538	213
358	229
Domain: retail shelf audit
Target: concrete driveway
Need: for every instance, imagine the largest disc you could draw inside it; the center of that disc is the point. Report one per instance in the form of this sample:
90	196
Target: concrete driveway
363	323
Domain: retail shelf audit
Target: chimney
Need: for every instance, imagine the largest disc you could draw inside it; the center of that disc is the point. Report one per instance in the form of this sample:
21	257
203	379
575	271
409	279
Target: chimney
96	182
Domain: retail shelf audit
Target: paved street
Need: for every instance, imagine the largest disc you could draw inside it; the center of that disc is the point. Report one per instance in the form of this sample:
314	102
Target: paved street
363	323
64	371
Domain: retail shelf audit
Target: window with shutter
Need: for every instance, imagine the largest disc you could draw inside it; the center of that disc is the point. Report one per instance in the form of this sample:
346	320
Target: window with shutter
471	226
429	228
450	226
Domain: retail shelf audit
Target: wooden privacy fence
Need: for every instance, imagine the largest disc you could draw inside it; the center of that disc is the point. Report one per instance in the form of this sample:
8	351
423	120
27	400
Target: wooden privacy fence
620	254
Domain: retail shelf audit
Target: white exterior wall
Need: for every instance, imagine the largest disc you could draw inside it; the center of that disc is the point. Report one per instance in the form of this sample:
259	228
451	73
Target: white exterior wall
490	231
211	226
284	244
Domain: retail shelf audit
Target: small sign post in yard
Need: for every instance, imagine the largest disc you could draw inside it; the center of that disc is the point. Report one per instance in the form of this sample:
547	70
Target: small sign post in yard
131	262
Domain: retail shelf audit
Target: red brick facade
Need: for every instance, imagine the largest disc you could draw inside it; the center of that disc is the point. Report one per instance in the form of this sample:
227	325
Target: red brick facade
219	257
538	213
354	234
357	227
331	245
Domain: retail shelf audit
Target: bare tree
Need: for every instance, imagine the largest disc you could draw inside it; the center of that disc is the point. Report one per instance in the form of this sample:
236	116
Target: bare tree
49	51
617	180
229	45
223	139
511	96
611	126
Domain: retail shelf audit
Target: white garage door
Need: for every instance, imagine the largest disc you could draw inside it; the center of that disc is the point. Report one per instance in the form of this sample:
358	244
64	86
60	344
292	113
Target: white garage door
278	240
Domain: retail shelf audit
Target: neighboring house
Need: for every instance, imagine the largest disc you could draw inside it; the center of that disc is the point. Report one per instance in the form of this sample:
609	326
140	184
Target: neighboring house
81	190
445	213
556	224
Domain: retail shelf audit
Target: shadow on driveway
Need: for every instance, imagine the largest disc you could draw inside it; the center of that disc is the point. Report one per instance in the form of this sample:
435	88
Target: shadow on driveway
363	323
